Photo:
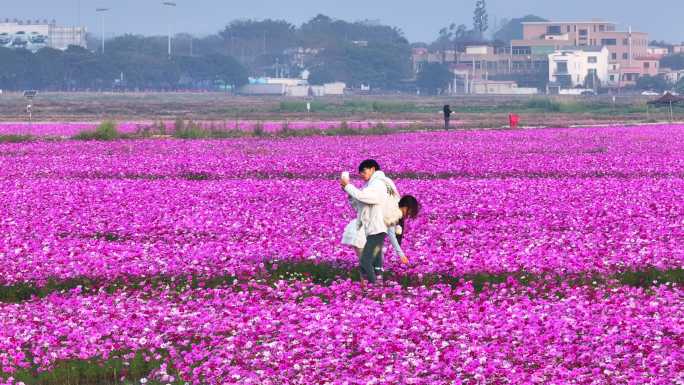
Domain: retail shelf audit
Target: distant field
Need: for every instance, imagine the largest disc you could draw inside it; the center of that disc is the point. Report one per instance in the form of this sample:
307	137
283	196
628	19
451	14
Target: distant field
472	111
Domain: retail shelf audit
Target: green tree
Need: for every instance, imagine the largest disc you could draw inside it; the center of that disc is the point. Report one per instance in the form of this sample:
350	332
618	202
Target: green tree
15	70
377	65
591	80
434	78
675	62
248	39
227	70
652	83
513	29
679	87
321	75
48	70
480	18
325	32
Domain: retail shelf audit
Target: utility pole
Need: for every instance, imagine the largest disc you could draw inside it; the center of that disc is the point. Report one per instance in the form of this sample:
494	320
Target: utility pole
102	11
630	45
169	4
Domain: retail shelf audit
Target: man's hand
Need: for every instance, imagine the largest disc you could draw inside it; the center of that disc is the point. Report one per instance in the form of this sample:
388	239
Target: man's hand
344	182
404	260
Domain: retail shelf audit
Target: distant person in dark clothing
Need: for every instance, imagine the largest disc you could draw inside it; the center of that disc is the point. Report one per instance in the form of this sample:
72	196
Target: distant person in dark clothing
447	116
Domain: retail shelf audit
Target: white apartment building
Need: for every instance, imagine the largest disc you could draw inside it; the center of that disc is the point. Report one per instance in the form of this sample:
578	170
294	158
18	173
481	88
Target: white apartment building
579	66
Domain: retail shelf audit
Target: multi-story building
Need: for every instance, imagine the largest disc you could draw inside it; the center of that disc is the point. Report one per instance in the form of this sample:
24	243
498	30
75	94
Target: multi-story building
579	66
658	51
628	50
34	35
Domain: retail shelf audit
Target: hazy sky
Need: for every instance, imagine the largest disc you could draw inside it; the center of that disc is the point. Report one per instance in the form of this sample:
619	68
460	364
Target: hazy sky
419	19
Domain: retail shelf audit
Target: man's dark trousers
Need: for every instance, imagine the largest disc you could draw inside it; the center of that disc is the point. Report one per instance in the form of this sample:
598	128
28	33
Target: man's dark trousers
371	257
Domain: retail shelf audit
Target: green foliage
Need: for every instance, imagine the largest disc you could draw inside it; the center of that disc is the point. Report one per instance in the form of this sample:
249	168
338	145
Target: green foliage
325	32
434	77
354	52
513	29
255	37
259	130
456	38
379	65
96	371
543	104
320	75
396	107
300	106
191	130
130	62
679	87
15	138
105	131
675	62
654	83
480	18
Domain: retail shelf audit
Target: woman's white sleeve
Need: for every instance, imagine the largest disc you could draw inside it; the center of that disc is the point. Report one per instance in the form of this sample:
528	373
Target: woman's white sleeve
392	233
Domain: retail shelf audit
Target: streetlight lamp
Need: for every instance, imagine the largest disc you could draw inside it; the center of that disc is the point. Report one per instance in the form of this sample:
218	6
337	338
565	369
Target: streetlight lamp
102	11
169	4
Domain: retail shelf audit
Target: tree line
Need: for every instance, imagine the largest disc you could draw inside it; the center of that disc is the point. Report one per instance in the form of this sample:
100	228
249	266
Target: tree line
332	50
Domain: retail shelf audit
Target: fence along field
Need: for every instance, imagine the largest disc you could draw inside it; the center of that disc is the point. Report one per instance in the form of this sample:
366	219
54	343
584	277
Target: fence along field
218	261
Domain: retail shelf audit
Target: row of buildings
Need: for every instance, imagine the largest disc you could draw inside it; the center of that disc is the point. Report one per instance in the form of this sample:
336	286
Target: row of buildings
586	53
36	34
293	87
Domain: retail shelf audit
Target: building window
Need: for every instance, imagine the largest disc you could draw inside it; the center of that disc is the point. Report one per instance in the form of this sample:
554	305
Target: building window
625	41
583	33
562	67
592	59
522	50
612	78
613	56
625	56
608	42
602	28
553	30
647	65
567	28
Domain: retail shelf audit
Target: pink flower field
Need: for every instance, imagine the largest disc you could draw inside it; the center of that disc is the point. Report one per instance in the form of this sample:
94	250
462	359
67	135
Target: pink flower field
160	255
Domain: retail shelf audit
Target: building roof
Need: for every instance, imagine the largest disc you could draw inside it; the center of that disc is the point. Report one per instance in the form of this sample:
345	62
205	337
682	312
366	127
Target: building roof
648	57
569	22
592	48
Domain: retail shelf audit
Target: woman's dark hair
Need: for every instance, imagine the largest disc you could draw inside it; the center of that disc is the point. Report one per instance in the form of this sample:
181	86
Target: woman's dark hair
411	203
369	163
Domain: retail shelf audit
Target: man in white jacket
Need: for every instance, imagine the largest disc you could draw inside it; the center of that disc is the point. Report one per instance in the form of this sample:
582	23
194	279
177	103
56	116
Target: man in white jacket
373	195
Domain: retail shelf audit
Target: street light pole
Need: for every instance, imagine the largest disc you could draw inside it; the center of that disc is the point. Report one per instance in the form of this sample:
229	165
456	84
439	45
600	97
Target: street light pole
102	11
169	4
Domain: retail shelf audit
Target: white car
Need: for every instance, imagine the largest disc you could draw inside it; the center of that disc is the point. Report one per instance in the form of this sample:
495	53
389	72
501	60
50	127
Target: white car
650	93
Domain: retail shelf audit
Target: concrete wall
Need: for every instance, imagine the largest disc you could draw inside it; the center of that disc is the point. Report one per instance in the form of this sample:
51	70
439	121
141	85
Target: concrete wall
336	88
264	89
